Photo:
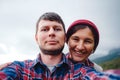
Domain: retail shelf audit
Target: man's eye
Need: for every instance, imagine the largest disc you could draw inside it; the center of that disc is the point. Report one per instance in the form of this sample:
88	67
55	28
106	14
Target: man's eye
57	29
44	29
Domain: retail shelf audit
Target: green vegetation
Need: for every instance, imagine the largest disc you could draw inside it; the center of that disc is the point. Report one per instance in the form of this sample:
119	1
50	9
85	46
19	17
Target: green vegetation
112	64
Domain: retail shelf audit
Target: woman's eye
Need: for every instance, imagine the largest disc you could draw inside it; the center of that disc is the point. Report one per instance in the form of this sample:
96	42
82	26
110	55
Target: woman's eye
88	41
75	39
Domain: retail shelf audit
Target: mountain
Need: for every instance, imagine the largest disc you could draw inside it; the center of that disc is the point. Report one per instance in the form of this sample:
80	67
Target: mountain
110	61
114	53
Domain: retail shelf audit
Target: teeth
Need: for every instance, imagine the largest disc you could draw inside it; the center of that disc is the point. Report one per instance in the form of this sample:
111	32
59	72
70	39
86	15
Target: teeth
79	52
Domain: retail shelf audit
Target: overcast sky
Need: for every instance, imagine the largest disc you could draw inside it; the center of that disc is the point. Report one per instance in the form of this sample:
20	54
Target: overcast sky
18	20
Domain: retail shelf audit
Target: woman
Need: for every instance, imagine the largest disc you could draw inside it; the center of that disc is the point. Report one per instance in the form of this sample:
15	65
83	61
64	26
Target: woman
82	40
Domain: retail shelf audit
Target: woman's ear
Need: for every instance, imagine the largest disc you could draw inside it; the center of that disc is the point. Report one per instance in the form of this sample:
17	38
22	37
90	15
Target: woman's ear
92	51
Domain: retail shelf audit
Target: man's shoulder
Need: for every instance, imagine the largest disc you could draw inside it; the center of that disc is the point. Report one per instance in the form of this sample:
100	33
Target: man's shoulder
25	63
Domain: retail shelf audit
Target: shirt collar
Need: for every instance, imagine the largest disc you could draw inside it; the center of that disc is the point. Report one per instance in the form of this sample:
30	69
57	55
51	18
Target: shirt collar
64	60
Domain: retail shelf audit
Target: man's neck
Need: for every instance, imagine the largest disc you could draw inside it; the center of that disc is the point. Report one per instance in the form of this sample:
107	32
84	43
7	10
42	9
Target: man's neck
51	60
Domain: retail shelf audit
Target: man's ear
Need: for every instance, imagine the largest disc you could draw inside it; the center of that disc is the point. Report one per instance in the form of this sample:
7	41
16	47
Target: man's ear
65	37
36	38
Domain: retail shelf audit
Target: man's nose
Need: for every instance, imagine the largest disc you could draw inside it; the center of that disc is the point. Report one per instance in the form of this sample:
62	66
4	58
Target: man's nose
51	32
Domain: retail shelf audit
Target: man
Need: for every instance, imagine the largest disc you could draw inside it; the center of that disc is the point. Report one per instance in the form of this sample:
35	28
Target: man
51	62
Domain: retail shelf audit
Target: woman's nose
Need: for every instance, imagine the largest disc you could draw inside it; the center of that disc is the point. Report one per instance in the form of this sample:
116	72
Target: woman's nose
80	45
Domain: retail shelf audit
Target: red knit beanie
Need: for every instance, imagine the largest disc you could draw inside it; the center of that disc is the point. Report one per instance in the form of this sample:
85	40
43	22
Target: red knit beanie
87	23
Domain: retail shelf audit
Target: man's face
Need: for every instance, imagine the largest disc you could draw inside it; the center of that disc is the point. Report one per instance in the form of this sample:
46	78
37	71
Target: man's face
50	37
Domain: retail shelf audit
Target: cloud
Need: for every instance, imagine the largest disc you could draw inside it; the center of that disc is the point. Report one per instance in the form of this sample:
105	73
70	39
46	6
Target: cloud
18	20
3	49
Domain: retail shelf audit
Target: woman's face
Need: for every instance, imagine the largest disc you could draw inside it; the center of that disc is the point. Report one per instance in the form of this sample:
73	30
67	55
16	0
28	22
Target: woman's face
81	44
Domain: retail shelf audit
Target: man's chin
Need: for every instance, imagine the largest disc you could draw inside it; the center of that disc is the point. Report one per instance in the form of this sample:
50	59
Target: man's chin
52	51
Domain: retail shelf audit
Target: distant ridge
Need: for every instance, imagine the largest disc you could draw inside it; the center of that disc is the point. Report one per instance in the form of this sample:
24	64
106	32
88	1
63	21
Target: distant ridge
114	53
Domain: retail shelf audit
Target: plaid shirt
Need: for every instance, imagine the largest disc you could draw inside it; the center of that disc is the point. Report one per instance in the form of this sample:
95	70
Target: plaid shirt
65	70
88	63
